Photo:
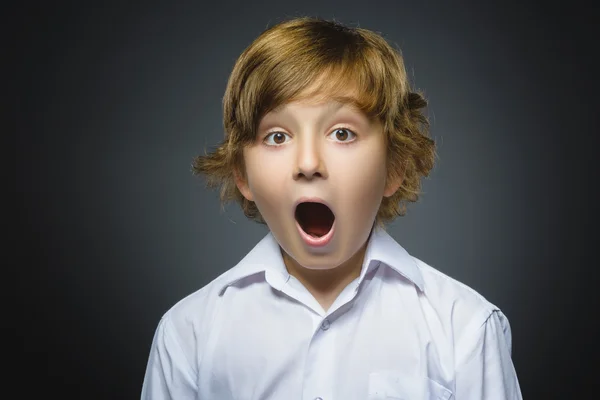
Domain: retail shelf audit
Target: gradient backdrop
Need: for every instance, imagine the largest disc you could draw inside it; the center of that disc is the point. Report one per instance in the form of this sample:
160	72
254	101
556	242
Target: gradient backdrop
115	100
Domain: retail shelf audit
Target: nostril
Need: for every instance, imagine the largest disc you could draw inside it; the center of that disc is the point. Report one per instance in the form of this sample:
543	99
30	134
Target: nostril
310	167
308	176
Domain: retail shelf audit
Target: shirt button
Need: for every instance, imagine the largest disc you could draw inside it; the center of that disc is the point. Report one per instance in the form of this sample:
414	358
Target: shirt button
324	326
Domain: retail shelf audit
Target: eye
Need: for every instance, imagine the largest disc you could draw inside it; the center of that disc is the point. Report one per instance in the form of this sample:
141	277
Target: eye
343	135
275	138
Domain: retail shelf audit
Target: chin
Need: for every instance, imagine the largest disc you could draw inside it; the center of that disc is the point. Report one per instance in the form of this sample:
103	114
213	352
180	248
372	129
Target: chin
322	260
318	266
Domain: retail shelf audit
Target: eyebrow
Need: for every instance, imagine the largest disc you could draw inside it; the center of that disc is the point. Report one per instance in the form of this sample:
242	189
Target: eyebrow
336	104
348	101
351	114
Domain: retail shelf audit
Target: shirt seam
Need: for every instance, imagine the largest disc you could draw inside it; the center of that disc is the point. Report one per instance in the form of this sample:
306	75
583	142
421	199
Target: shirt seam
172	332
473	328
485	303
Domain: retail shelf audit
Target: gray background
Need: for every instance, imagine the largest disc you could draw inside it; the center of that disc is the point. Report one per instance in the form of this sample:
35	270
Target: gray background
113	101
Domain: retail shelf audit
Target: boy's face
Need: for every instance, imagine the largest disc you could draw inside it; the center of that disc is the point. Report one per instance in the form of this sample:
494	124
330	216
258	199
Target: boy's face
325	152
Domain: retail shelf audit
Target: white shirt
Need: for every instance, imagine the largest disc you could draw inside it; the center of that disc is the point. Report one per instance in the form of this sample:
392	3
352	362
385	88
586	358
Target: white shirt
401	330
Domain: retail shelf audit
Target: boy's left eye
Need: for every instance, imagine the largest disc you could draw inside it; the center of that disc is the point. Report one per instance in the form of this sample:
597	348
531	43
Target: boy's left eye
342	135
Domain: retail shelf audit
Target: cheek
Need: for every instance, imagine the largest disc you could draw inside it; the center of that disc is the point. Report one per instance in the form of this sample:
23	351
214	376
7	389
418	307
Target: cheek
364	184
366	172
265	182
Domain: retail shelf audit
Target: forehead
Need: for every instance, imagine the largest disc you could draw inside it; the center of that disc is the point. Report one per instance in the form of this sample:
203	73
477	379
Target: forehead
326	95
333	91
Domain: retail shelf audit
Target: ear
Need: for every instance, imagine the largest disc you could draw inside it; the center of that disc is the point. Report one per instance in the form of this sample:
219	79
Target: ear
392	186
242	184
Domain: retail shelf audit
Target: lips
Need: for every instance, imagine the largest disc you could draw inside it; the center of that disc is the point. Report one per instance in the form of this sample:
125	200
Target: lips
315	221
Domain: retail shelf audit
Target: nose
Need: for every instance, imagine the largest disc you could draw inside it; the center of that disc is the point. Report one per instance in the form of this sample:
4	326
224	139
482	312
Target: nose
309	161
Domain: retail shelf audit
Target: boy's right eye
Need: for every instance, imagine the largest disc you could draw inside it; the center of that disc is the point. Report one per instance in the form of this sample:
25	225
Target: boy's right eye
275	138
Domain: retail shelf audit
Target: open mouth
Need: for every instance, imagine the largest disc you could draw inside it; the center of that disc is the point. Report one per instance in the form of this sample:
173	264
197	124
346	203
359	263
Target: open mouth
315	219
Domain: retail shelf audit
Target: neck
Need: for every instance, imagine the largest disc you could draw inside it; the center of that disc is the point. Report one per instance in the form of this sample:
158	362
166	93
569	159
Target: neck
326	284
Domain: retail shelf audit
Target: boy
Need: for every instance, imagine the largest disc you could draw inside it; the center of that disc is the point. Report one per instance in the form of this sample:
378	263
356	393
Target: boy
324	144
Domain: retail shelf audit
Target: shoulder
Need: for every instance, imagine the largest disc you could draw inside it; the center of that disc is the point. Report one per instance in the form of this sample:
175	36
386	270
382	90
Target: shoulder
180	340
478	334
459	305
202	304
438	285
184	330
191	316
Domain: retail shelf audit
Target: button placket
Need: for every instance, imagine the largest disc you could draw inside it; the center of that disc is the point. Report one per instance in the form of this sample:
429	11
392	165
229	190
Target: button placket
320	360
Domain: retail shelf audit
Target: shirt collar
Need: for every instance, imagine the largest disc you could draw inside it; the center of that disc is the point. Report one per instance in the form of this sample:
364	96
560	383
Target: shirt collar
382	248
266	257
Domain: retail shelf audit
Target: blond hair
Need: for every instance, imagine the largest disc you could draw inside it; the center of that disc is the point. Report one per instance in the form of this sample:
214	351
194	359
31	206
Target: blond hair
323	56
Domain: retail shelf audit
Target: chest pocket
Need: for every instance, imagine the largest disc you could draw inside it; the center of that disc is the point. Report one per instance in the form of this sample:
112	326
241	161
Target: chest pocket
396	385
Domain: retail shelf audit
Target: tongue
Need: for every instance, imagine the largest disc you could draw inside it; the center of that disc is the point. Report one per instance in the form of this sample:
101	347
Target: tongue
317	230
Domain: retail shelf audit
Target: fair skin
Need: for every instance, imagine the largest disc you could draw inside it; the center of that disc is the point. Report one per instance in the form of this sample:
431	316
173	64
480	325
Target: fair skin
326	150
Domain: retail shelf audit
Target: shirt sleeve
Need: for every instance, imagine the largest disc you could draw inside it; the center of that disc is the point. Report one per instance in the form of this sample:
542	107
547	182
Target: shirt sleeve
485	370
168	372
